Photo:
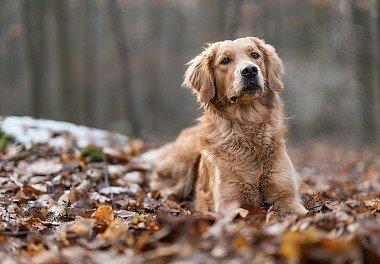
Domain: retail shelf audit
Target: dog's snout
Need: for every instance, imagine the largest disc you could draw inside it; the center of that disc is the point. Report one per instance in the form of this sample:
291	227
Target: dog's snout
249	71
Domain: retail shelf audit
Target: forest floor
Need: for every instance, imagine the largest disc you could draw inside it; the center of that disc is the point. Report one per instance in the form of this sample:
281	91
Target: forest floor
71	205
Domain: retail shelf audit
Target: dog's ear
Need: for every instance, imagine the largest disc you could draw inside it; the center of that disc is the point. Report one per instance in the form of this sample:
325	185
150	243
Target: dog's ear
199	76
273	64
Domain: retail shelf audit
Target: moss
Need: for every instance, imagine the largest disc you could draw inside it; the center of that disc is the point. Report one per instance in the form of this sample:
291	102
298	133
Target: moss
5	140
92	153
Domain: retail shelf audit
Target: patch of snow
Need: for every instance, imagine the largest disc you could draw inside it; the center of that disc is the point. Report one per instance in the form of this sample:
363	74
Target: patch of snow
27	130
134	176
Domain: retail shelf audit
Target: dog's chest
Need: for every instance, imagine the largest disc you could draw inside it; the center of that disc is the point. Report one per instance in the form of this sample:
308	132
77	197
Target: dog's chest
246	151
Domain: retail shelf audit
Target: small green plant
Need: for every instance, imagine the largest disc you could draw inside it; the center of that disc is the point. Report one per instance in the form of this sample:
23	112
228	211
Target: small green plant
92	153
5	140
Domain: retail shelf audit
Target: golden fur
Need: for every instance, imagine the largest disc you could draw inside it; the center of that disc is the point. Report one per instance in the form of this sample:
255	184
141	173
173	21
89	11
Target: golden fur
236	153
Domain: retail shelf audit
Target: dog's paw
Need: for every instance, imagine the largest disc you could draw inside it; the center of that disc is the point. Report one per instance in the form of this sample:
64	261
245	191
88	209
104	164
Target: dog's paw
299	210
290	207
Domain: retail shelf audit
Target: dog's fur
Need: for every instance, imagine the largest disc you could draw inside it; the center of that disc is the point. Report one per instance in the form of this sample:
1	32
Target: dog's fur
236	153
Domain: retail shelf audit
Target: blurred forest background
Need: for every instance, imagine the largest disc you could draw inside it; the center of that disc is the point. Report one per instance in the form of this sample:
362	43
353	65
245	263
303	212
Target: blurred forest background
118	65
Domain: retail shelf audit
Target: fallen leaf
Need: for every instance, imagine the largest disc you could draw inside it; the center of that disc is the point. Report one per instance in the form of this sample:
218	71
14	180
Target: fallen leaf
116	229
45	167
104	214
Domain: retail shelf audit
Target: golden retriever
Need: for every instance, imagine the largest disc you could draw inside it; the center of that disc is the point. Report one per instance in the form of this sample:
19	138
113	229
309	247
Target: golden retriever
236	153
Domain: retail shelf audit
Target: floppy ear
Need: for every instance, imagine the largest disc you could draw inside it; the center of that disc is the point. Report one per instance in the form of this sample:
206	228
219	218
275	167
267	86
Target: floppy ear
199	76
273	64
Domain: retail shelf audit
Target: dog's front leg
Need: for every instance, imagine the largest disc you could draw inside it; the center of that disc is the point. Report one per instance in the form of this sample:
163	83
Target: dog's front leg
231	190
280	187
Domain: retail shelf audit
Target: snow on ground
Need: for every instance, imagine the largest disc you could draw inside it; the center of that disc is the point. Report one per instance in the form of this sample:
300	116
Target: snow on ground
27	130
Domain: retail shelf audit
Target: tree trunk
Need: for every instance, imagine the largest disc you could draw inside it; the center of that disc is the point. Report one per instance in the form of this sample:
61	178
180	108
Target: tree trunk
90	54
33	19
233	20
376	90
67	85
364	71
126	91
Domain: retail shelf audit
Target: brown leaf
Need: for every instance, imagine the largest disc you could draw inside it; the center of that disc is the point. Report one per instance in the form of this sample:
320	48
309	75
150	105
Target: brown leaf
116	229
240	243
103	215
35	249
292	243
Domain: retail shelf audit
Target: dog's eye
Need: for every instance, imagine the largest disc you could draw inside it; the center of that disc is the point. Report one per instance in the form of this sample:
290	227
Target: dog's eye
255	55
225	61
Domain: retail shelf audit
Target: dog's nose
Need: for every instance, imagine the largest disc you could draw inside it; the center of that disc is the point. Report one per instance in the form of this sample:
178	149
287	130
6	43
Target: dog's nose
249	71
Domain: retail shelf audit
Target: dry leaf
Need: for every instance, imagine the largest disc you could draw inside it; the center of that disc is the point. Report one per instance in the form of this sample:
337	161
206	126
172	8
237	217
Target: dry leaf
104	214
116	229
45	167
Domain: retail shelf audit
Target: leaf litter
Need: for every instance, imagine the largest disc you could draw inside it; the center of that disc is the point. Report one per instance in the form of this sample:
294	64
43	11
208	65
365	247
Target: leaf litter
90	205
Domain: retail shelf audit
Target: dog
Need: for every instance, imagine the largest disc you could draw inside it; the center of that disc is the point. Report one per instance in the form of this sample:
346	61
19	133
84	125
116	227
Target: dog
236	154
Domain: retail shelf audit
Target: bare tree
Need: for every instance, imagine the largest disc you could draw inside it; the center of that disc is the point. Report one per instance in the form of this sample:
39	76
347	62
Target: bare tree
117	22
364	71
90	54
67	83
376	43
34	12
233	19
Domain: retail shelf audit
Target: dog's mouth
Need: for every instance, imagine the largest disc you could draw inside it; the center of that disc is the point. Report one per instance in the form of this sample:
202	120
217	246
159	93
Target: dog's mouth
249	89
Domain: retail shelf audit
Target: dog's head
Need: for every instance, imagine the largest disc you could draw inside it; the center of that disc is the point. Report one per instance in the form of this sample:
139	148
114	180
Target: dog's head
235	72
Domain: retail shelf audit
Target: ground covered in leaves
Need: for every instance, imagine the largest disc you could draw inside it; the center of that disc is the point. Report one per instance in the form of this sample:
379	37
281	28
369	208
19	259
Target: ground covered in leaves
72	205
